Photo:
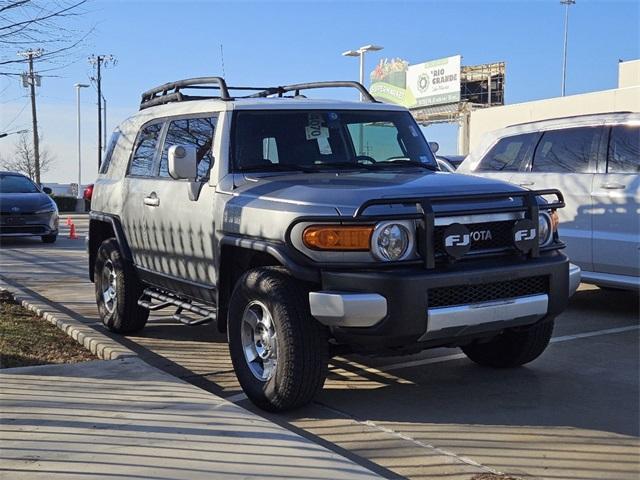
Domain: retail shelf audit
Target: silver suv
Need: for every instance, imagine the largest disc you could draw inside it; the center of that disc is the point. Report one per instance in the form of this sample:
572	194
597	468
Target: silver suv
305	227
595	161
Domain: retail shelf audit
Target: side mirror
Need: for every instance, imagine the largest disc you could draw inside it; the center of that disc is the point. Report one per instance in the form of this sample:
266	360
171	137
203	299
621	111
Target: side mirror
182	162
47	190
434	146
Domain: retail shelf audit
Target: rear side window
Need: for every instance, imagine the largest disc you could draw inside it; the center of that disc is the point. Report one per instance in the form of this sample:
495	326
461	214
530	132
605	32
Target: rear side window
145	150
510	154
197	132
624	149
567	151
106	160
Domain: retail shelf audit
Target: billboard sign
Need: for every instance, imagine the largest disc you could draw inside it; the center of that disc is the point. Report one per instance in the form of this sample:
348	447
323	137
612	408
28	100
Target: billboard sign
431	83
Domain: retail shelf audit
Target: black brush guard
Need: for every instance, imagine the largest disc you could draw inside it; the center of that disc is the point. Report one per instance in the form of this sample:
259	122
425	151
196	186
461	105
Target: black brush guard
531	201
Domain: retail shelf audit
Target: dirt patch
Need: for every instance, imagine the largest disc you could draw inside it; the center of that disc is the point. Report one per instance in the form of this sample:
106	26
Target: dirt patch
26	339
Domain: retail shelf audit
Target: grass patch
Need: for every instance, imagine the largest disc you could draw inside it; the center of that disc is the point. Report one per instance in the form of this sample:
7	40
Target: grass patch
26	339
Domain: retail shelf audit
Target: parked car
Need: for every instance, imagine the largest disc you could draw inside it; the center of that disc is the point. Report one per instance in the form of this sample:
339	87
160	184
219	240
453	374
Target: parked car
298	225
454	160
444	165
26	209
595	161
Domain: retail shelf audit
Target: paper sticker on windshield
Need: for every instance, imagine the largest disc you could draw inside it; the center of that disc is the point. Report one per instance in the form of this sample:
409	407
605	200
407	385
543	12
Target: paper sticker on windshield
413	130
314	128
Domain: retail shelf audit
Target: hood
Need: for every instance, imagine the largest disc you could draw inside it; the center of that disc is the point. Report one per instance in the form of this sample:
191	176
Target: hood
348	190
24	202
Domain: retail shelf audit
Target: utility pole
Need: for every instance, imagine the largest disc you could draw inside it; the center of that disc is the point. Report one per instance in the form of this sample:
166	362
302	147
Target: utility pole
100	61
29	79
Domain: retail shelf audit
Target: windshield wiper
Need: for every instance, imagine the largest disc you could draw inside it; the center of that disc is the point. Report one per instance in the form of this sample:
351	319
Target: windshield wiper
405	163
343	165
276	167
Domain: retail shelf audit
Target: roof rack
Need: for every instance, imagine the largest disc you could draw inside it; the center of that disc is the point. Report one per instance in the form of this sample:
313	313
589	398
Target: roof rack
296	88
171	92
570	117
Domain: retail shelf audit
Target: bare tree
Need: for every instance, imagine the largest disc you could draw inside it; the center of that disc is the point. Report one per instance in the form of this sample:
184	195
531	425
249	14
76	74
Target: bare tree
23	159
47	24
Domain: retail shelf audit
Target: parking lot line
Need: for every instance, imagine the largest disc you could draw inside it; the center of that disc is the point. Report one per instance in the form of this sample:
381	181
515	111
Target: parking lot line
597	333
458	356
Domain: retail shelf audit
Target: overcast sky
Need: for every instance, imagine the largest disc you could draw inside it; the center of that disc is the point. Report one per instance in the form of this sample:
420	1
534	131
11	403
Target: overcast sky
269	43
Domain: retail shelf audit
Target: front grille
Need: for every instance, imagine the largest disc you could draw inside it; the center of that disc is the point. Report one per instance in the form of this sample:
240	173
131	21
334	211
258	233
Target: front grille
466	294
23	229
501	236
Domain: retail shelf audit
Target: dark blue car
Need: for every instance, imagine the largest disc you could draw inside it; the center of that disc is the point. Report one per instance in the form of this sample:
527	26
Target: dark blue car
26	209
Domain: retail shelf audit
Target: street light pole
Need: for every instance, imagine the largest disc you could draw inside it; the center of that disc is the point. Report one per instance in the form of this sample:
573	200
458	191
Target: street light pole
78	87
566	3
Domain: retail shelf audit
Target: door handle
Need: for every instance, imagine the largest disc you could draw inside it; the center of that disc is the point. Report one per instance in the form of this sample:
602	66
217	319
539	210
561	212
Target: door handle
527	184
612	186
152	200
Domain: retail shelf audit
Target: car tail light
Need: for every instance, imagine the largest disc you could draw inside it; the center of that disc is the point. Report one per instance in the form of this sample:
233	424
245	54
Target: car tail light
338	237
88	193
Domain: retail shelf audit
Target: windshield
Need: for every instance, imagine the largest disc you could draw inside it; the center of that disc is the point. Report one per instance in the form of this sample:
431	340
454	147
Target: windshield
313	140
16	184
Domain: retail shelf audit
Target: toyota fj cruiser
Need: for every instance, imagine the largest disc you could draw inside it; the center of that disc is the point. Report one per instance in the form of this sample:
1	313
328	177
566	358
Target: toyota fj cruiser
304	227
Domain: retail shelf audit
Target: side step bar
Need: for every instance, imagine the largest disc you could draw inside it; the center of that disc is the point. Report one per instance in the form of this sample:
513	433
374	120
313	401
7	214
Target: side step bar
165	300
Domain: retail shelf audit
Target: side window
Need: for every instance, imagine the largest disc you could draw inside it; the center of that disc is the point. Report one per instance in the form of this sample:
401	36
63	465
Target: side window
106	160
510	154
624	150
567	151
144	151
197	132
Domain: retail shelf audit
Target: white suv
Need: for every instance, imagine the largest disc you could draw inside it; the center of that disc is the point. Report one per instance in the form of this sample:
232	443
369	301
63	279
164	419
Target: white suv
595	161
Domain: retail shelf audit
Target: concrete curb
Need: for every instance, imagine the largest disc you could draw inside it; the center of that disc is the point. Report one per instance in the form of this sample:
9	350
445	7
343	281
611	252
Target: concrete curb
97	343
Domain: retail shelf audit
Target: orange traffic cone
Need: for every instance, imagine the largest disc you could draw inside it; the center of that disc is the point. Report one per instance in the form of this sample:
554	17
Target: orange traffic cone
72	231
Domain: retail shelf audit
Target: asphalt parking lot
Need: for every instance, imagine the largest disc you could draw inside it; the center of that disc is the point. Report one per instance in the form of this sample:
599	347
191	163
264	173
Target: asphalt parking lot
571	414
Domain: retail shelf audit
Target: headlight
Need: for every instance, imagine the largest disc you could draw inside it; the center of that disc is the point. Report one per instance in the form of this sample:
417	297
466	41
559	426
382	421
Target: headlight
46	209
545	229
392	241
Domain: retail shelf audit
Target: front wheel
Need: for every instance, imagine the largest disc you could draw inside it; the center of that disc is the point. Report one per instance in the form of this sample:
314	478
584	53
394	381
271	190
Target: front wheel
279	351
118	290
49	238
513	347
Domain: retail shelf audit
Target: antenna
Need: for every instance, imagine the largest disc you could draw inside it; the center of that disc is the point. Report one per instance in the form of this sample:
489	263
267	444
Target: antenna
222	61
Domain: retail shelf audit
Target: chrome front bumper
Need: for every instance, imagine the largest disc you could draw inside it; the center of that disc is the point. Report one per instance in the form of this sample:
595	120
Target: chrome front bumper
575	276
525	310
342	309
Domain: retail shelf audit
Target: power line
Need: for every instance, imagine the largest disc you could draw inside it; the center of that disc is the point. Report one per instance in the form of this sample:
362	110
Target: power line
16	117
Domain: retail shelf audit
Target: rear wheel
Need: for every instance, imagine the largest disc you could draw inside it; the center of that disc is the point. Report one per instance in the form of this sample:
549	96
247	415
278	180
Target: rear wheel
513	347
118	290
279	351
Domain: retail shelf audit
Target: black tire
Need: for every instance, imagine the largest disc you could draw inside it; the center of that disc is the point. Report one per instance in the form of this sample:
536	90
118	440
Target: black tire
49	238
302	344
513	347
123	315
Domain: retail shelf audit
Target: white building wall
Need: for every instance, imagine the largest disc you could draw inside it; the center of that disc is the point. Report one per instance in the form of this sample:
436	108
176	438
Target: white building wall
629	74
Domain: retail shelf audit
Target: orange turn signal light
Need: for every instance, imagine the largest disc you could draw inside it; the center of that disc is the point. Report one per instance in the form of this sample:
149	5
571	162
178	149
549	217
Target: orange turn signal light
338	237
